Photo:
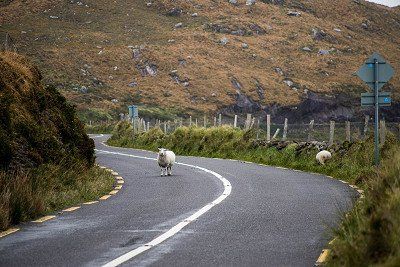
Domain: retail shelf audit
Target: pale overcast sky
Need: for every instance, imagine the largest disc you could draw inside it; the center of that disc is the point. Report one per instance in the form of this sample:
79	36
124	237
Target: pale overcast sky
386	2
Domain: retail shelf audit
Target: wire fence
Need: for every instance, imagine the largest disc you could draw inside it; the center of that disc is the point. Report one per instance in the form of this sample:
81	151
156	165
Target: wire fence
264	127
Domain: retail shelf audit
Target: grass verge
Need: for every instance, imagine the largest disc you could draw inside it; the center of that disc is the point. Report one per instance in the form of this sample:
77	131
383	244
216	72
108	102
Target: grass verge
25	195
105	128
369	235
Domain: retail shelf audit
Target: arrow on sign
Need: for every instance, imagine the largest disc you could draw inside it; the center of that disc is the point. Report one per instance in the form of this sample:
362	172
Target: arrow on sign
368	99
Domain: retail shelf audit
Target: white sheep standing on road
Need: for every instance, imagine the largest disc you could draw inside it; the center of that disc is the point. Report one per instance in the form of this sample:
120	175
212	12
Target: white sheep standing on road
323	156
165	159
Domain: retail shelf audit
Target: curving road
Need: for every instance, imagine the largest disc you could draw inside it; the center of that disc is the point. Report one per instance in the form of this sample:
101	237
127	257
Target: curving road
268	216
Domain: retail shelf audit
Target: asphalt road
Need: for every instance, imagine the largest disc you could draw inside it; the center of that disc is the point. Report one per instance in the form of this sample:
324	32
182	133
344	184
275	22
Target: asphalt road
272	217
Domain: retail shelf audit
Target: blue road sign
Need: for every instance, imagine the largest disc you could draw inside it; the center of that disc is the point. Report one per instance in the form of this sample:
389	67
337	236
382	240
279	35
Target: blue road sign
133	111
368	99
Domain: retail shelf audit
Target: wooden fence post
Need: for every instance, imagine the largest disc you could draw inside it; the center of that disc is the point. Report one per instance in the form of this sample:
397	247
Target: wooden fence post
195	122
235	121
258	128
215	121
268	128
310	131
285	128
276	134
165	127
181	123
220	120
190	120
205	121
248	122
331	133
366	120
148	126
348	138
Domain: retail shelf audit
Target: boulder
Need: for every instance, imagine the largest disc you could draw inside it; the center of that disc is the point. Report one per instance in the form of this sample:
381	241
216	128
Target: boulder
294	14
176	11
224	41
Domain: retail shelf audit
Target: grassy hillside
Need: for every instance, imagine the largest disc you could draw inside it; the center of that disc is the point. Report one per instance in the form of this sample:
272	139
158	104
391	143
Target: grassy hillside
104	55
369	235
46	158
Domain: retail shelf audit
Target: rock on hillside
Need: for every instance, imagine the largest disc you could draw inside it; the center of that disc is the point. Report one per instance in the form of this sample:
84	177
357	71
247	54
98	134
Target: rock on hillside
270	56
37	125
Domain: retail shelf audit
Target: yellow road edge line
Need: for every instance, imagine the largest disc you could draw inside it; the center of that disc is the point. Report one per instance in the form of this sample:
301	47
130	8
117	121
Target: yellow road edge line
105	197
113	192
72	208
45	218
8	231
324	255
118	187
90	202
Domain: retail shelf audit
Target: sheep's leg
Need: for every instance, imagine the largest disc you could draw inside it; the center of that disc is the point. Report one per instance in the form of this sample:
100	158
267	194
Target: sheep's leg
169	171
162	171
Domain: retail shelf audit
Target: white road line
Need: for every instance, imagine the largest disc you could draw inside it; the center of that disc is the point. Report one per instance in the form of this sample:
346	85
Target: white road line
133	253
95	136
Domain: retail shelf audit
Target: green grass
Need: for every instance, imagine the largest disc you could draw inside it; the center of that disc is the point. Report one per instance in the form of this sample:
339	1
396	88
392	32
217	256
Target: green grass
25	195
351	161
104	128
369	235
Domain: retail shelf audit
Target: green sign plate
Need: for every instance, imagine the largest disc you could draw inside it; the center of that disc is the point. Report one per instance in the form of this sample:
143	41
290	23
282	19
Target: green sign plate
368	99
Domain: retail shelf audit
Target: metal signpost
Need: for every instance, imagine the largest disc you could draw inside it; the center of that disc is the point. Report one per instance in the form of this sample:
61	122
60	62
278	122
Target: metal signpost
375	73
133	115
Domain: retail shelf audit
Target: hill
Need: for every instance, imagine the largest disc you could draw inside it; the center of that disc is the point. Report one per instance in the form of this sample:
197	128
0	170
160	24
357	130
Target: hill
291	58
46	158
37	126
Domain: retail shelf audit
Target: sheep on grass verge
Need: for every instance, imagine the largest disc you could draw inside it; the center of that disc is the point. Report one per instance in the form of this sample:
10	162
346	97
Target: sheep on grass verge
323	156
165	159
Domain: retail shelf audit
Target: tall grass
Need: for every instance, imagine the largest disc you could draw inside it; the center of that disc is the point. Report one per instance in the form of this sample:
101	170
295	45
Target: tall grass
26	194
370	234
351	161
